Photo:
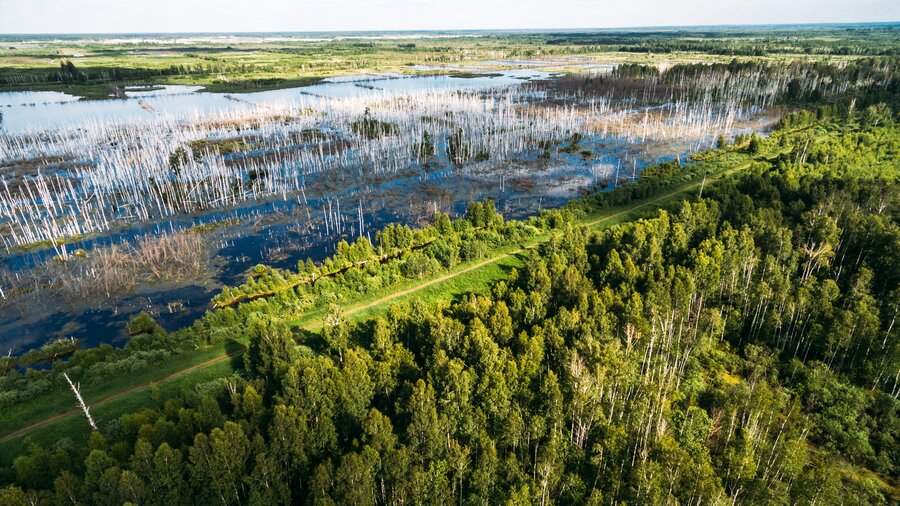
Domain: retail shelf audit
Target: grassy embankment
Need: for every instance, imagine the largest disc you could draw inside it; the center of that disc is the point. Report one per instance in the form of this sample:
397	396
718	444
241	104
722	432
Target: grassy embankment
51	417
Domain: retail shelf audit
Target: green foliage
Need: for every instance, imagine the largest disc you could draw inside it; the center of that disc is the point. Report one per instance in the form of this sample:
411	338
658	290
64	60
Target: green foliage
425	149
68	73
372	128
753	147
49	352
721	141
458	149
143	324
178	160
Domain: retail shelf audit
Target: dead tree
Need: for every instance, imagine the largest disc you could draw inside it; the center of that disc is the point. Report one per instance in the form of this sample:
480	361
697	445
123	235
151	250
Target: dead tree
81	404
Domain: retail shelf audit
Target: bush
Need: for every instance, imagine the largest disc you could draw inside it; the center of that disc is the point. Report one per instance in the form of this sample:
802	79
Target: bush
470	250
130	363
419	265
445	252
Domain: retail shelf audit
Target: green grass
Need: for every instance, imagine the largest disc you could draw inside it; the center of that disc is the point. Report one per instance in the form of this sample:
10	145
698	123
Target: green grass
75	427
205	228
249	84
476	280
48	243
61	400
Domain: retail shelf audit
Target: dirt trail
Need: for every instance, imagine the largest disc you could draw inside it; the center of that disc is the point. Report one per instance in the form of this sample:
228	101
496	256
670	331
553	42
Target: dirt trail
497	258
120	393
354	310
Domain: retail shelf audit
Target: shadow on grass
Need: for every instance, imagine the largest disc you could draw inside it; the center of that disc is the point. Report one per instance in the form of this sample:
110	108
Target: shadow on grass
235	351
456	294
310	339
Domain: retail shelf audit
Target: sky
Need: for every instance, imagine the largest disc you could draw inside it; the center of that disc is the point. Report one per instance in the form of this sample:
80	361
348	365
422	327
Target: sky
143	16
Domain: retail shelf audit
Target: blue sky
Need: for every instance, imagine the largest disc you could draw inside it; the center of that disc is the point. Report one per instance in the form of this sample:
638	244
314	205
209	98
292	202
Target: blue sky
120	16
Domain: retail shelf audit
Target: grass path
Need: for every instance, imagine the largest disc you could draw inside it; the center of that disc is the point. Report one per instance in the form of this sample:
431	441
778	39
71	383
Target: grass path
363	306
121	393
387	298
588	224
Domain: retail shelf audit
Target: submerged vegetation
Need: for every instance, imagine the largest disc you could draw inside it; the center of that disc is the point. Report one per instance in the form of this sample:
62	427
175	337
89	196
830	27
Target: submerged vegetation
112	270
715	328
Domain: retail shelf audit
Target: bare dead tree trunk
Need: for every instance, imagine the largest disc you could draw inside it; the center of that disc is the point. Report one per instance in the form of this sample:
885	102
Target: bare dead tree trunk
81	404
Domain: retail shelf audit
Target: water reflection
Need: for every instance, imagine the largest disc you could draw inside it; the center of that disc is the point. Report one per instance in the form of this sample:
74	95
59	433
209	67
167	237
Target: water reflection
25	111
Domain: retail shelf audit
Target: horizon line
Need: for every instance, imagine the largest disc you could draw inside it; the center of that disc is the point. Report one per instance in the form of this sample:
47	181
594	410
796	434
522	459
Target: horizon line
471	30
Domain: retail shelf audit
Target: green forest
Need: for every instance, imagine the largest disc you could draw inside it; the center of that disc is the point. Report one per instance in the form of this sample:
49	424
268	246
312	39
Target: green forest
738	346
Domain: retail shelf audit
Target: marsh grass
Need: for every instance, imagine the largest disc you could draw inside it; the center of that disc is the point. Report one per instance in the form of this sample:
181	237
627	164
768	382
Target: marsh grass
118	268
112	270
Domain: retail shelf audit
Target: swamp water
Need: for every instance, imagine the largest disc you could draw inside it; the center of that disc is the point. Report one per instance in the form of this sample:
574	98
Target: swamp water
280	229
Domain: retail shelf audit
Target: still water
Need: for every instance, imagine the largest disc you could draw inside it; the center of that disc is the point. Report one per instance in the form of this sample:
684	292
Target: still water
25	111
